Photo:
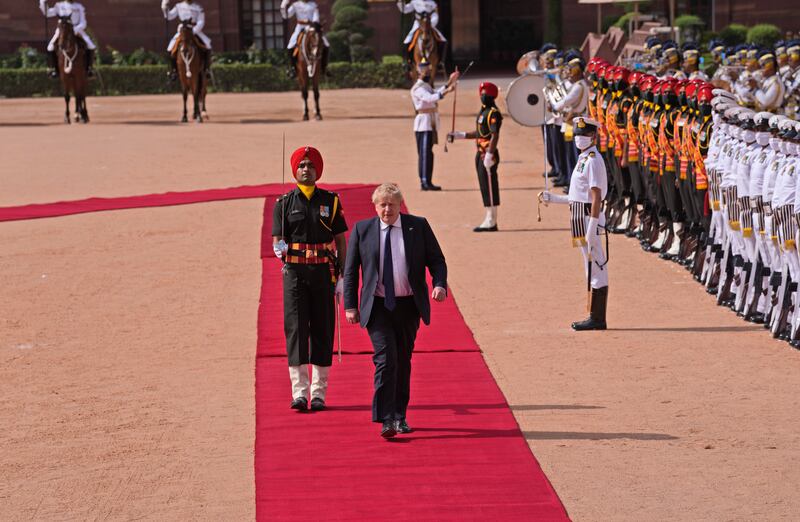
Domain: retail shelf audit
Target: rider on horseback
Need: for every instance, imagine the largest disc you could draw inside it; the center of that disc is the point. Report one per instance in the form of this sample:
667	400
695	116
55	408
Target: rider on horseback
421	8
190	12
77	15
307	14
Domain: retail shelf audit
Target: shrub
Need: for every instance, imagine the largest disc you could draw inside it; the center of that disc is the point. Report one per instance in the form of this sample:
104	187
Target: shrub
622	22
151	79
764	35
733	35
349	34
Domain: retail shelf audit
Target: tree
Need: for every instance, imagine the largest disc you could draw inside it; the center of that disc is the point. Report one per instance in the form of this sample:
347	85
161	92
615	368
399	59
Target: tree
764	35
349	33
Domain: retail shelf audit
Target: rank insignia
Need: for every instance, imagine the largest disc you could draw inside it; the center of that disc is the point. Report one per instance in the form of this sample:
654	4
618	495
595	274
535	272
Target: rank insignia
324	211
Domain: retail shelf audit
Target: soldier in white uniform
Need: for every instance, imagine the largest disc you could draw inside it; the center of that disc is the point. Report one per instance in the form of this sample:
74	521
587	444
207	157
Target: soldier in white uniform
587	190
769	95
792	80
572	105
77	14
776	160
422	8
426	122
691	63
307	15
187	11
744	159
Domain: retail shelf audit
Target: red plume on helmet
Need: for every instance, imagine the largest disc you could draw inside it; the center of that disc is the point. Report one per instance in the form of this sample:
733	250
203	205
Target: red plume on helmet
489	89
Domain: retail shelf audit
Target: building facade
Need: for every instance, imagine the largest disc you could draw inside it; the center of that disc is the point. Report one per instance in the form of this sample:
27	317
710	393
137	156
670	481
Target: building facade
496	31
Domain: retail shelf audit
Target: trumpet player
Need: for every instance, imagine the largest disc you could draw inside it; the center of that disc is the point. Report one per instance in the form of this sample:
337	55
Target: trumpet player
769	95
573	104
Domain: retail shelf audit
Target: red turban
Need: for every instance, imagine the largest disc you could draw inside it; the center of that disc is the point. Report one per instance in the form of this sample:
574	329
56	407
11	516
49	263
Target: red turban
489	88
310	153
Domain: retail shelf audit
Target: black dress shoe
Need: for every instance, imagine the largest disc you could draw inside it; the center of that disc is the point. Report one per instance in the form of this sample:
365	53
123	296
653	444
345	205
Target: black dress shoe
388	430
588	324
402	426
300	404
430	186
317	404
560	183
492	228
756	318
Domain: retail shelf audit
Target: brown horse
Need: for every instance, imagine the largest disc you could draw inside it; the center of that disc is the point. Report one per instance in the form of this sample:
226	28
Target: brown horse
426	46
190	71
72	69
309	66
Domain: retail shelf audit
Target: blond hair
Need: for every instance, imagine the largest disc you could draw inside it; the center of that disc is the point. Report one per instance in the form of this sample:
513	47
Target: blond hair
387	189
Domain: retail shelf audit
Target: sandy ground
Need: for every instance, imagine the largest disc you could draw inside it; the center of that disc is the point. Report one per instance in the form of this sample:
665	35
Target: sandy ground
127	338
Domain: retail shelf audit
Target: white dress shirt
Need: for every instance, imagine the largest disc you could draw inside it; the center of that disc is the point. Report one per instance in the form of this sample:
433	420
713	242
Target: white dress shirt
402	287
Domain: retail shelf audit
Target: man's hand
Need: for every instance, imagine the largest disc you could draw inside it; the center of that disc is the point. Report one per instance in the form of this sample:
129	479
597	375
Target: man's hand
454	76
164	5
488	160
439	294
351	316
280	248
549	197
284	4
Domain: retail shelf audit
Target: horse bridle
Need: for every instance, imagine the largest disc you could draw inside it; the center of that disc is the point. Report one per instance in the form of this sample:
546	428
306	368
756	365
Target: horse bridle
63	21
311	64
187	57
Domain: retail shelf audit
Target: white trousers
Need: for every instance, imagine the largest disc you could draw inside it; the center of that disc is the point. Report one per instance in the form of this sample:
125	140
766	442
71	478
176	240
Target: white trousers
89	43
296	34
200	34
301	387
414	27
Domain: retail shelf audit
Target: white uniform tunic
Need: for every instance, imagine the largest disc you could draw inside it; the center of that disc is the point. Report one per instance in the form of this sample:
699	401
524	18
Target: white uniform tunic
186	11
698	75
77	14
307	13
783	193
421	7
758	170
426	103
769	96
575	101
590	172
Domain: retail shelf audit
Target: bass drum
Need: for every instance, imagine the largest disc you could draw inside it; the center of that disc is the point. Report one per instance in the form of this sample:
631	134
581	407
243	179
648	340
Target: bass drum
525	100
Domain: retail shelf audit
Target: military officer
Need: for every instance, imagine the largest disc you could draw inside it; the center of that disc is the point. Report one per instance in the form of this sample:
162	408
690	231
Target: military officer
422	8
769	95
77	15
307	14
586	194
573	104
691	63
487	157
187	10
426	122
308	229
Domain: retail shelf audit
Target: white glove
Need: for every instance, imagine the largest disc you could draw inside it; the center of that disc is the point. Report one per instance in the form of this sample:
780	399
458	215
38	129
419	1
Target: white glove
459	135
549	197
488	160
339	287
280	248
592	234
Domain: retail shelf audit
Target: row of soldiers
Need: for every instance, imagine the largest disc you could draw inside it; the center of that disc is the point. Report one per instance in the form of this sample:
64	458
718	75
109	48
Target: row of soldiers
705	181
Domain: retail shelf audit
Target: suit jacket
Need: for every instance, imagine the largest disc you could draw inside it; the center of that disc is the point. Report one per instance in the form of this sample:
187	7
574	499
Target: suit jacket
363	251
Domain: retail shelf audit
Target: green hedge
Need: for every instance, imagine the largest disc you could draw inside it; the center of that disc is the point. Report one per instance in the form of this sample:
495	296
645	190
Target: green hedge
151	79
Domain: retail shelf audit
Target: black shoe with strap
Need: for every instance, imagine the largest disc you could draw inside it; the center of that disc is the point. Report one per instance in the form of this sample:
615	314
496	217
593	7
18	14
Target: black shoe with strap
597	315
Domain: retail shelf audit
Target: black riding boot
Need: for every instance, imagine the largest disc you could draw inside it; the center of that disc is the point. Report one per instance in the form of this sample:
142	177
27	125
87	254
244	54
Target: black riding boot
291	72
407	58
597	315
443	52
52	64
207	62
325	54
89	63
172	73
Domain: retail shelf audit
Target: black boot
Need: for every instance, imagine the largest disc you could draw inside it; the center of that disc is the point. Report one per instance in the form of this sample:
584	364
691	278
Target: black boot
325	53
207	63
291	72
407	59
173	67
442	52
89	63
52	64
597	315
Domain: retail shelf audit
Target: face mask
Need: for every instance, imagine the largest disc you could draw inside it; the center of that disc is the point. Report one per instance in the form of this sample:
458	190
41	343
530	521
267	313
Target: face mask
486	99
583	142
763	138
748	136
705	110
775	144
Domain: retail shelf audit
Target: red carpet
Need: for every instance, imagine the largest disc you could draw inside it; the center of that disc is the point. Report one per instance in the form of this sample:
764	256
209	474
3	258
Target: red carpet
467	459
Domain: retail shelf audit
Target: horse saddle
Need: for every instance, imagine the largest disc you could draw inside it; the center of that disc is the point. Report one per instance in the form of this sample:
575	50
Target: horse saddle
418	34
197	41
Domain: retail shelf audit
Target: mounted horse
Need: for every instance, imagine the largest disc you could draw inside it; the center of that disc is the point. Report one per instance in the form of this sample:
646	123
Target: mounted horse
310	48
191	71
72	69
425	44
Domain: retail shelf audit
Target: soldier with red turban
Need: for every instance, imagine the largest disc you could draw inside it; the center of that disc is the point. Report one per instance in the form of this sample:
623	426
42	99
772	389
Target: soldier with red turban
487	158
308	229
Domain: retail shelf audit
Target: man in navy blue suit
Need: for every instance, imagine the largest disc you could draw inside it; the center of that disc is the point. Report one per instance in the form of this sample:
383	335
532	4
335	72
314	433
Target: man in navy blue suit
392	251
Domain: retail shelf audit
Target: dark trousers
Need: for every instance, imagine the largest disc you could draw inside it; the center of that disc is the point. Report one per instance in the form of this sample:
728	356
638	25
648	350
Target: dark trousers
570	159
392	335
425	154
489	199
555	150
308	314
